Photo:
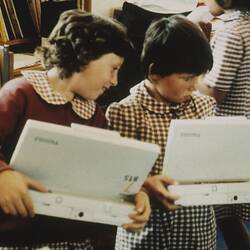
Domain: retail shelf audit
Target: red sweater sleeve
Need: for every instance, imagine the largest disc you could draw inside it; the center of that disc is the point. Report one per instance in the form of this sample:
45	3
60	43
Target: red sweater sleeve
11	106
19	102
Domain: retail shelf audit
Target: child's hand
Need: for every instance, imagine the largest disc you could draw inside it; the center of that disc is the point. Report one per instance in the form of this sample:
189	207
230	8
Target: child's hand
143	210
14	193
157	187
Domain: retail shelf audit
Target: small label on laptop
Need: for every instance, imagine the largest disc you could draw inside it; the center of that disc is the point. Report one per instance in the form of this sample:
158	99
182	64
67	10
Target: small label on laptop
129	183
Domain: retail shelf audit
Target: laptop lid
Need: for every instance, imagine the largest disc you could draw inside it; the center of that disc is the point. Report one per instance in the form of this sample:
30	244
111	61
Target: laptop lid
88	164
214	150
96	131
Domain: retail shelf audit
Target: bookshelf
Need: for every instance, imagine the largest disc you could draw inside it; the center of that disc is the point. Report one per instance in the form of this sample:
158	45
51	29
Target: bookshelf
21	20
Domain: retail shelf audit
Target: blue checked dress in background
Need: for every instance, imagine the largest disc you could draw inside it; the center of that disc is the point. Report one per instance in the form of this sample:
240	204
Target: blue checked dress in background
231	74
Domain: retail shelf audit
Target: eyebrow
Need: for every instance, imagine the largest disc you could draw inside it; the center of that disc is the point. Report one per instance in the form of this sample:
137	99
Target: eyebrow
187	75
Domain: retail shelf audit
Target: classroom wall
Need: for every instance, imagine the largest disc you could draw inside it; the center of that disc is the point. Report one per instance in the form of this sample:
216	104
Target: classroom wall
105	7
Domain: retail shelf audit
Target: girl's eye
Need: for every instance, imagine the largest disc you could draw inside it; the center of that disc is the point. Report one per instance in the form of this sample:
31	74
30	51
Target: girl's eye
115	69
187	78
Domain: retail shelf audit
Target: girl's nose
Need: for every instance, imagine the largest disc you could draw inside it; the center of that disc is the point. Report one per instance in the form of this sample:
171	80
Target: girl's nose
114	80
193	85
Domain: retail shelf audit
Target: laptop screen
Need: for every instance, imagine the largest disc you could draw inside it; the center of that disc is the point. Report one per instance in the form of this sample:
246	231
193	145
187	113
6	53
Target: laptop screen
83	162
214	150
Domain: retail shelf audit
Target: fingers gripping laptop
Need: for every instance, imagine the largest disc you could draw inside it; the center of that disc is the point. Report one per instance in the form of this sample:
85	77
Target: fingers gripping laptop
210	159
90	171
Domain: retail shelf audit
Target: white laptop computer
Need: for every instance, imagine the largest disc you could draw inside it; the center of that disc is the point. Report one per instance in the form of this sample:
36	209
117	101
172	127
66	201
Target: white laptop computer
90	173
210	159
96	131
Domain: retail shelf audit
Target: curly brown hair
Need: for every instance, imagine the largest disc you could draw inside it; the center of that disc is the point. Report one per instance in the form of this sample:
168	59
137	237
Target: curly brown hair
80	37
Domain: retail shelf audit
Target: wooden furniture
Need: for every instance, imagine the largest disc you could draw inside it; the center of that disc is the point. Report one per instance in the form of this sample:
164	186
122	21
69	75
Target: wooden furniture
12	36
6	64
20	20
87	5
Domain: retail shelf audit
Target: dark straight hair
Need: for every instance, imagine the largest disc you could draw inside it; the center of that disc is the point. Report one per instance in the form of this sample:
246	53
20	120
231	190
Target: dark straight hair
175	45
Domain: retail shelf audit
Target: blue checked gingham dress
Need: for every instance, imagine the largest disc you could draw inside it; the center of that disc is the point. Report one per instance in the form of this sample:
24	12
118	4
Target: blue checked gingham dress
141	117
231	74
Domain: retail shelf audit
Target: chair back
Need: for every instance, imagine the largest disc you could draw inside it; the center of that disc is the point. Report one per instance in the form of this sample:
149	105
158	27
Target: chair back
6	64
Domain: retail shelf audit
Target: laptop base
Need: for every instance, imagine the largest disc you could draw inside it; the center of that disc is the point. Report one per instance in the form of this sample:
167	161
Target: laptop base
81	208
211	194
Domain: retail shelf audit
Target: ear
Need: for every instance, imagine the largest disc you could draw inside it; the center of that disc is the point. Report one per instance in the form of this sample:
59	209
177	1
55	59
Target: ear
225	4
150	69
151	76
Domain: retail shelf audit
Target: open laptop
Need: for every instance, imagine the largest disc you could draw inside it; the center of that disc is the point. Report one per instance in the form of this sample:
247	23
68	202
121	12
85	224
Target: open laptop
92	176
210	159
96	131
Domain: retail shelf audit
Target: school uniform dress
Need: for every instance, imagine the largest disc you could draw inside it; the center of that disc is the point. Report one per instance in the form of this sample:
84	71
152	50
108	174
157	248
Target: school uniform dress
231	73
231	69
31	97
141	117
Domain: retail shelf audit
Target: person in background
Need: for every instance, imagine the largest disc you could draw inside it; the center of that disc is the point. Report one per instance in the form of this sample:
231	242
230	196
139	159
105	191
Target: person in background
82	59
228	82
137	15
175	55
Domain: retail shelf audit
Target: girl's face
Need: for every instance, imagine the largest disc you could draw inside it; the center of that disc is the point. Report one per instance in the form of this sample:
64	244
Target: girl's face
175	88
96	77
213	7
